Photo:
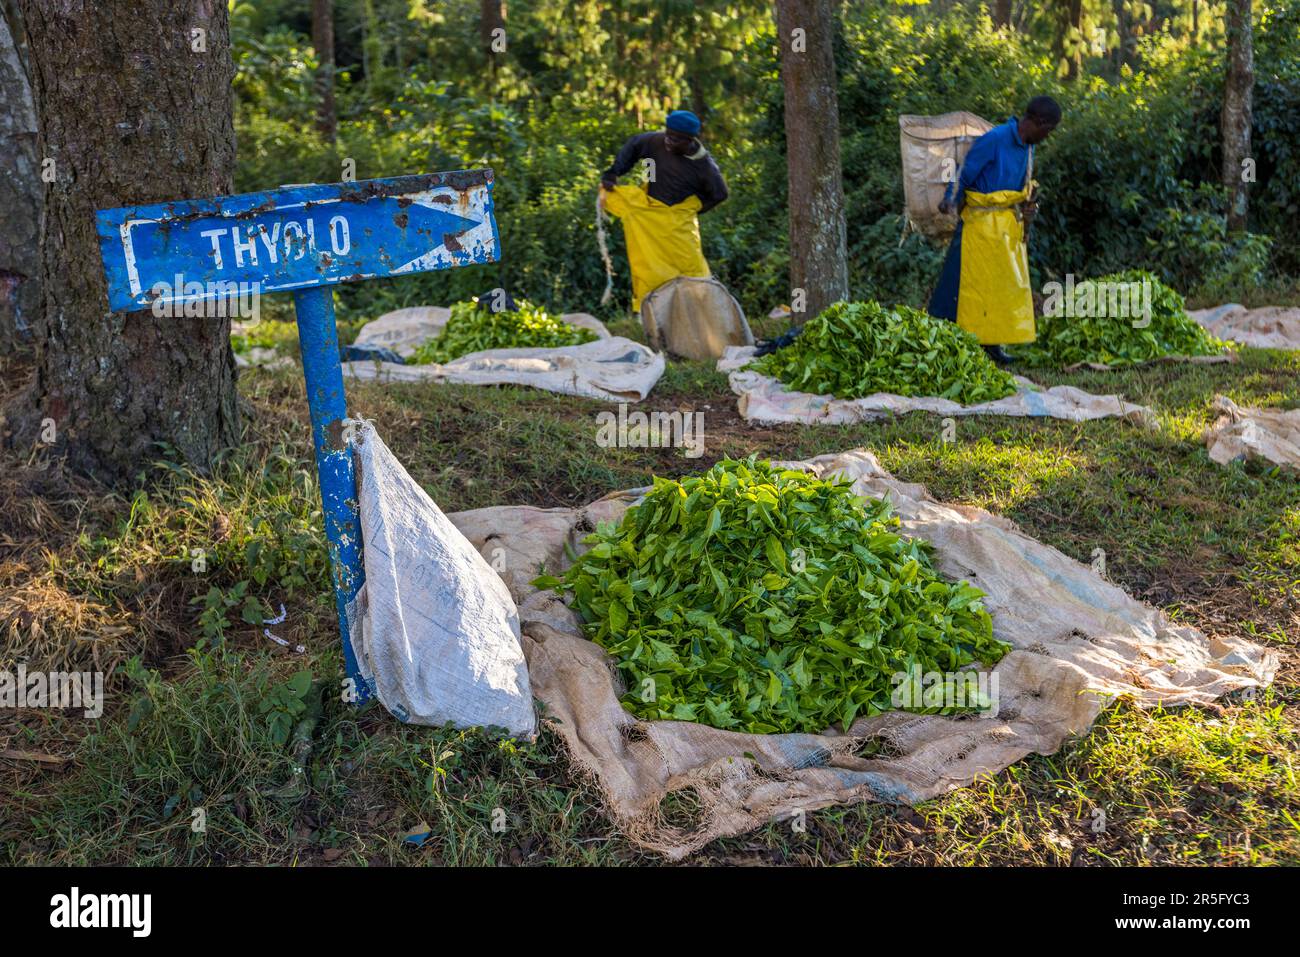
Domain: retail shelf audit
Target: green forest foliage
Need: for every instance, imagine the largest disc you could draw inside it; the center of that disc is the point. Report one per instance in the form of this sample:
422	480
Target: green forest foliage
1130	180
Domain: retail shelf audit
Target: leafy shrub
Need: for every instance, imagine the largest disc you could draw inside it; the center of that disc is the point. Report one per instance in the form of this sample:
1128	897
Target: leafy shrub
1128	162
1192	249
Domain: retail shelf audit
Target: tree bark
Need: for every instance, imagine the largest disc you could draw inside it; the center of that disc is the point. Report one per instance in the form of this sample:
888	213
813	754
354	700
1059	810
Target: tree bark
1002	13
322	39
1124	52
20	199
129	112
372	47
818	235
699	105
492	17
1236	117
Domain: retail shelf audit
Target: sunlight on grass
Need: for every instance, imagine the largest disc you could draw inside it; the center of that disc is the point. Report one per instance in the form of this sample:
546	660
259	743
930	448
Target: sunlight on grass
1220	545
987	473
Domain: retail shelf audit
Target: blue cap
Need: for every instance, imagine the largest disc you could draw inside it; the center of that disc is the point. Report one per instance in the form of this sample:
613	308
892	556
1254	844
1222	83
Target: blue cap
683	121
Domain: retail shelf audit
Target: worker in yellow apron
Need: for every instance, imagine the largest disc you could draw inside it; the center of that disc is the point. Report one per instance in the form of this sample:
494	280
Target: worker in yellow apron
984	286
660	223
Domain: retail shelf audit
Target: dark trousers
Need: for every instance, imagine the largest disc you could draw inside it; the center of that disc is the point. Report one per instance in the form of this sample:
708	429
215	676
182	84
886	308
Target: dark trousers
943	302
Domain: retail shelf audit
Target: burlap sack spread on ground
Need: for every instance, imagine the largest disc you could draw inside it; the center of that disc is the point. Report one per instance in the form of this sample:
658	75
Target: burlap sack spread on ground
611	368
767	400
1248	433
1272	327
1078	641
694	318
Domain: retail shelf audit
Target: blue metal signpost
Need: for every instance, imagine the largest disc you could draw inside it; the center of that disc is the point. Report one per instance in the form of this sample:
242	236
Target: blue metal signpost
304	239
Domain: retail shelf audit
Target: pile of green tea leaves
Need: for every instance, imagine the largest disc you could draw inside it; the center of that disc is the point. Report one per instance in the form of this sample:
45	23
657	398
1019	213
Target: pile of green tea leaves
853	349
758	599
472	328
1102	329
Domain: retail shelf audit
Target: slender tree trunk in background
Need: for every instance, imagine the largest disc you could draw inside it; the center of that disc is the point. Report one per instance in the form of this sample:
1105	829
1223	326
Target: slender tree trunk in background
492	17
372	47
1070	18
1123	53
699	106
21	195
1196	21
322	39
1236	116
1076	22
1002	13
130	113
818	236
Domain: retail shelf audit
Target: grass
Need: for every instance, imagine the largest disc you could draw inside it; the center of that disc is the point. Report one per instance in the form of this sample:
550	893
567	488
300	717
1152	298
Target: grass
89	579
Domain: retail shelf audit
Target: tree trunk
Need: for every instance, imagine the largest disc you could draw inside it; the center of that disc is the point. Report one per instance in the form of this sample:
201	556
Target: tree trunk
1002	13
1124	52
818	236
492	17
129	113
1236	116
20	199
372	47
699	105
322	39
1069	49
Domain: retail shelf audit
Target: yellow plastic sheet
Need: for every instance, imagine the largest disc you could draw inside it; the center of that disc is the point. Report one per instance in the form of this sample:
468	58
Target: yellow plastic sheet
995	302
663	242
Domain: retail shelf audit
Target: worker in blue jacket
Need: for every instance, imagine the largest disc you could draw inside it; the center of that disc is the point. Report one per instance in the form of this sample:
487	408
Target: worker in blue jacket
984	286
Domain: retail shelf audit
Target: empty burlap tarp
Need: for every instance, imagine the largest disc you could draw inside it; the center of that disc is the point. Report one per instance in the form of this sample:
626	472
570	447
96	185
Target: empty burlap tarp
1242	433
1077	641
1271	327
611	368
694	318
767	400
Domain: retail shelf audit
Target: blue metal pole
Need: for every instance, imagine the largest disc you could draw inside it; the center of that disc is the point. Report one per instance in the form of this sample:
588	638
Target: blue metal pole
319	340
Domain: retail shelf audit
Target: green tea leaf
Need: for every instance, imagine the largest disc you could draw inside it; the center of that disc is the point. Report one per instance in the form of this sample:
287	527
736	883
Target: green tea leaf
683	592
474	328
855	349
1102	327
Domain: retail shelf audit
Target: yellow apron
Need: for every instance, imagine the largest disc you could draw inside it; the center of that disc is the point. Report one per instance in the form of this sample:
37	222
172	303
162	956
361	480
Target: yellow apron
663	242
995	302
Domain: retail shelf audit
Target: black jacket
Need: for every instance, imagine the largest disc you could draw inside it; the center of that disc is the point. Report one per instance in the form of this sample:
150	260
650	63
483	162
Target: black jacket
676	177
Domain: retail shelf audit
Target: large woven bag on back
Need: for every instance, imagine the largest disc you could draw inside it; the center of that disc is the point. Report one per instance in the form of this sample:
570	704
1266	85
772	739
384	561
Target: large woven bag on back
933	149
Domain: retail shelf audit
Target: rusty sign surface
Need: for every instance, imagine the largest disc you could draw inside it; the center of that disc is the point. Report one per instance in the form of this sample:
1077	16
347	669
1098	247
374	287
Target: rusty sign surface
296	237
